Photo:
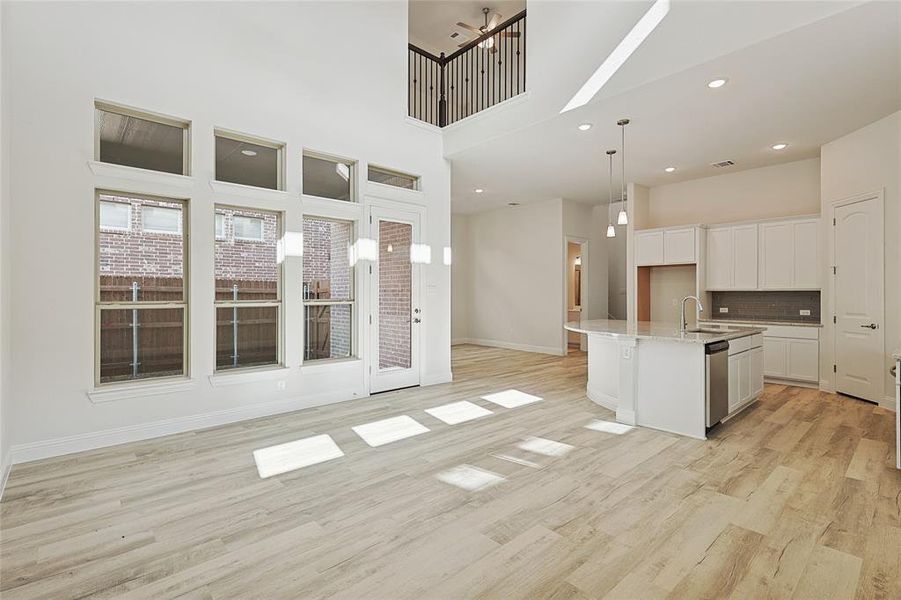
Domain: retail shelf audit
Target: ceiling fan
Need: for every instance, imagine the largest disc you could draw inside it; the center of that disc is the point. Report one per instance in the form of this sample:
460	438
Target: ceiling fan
488	26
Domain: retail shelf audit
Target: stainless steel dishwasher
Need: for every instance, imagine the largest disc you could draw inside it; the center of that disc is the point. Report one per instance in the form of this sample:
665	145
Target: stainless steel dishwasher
717	362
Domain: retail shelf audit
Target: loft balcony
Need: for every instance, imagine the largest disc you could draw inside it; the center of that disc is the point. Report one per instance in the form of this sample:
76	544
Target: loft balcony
487	70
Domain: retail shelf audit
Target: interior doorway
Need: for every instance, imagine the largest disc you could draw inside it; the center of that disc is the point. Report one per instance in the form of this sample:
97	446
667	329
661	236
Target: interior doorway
576	282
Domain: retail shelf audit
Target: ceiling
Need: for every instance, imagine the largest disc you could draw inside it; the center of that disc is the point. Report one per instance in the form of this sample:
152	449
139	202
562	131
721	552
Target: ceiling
431	22
805	87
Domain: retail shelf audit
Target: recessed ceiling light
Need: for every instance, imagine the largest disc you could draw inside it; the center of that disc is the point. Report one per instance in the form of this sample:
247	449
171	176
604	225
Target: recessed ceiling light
779	146
717	83
584	126
249	152
670	169
479	190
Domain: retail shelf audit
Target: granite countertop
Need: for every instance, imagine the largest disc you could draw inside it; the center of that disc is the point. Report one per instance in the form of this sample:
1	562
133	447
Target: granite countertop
656	330
762	322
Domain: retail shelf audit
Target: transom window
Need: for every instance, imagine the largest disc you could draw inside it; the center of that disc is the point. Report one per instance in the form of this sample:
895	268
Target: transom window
141	303
249	161
328	177
248	291
328	288
392	178
125	136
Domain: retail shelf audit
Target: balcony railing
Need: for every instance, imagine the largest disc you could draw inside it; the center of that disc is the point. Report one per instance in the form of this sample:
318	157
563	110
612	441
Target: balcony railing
486	71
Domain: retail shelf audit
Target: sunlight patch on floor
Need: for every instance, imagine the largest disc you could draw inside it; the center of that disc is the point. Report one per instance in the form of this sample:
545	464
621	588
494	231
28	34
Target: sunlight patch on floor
544	446
511	398
458	412
609	427
379	433
291	456
469	478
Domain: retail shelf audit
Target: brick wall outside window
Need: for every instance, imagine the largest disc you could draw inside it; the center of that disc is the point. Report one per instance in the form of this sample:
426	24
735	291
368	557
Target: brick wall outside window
327	275
394	294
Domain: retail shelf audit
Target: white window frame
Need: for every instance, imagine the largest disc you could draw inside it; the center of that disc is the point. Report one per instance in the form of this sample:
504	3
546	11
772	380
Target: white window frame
352	301
126	229
216	234
146	229
129	111
235	136
242	238
100	306
417	180
278	303
352	165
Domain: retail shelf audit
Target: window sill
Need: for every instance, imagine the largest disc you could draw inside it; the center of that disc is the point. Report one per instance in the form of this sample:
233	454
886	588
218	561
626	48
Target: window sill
103	169
126	391
326	207
239	190
249	375
328	364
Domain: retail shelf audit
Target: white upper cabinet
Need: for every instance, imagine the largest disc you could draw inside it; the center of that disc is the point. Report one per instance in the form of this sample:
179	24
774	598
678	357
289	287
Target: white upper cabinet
732	257
677	246
789	255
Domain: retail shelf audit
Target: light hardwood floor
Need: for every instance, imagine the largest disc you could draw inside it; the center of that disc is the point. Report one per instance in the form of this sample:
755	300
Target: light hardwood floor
795	498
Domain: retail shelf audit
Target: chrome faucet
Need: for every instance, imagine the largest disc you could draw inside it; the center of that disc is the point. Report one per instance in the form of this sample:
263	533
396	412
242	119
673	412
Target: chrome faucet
683	324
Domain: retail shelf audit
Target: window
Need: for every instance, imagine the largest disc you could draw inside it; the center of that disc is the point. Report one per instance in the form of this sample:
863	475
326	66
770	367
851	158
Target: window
328	288
328	177
394	178
249	229
220	225
248	161
127	137
115	216
141	302
248	293
159	219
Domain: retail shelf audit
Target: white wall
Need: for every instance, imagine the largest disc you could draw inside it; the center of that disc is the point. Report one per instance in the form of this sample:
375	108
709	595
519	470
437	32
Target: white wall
267	69
5	256
461	282
668	286
583	221
864	161
777	191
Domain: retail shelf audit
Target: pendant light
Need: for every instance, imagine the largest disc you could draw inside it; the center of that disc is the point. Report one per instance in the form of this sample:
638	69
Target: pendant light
611	231
623	218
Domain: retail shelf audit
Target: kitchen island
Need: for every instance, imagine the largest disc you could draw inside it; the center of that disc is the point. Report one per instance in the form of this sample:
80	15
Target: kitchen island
651	374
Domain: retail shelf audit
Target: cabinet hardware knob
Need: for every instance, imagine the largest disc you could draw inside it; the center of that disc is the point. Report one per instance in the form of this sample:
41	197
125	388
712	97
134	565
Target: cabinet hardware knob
870	326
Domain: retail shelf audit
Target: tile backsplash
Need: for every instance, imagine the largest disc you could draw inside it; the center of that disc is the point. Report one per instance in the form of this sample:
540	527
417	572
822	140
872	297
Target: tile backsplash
766	306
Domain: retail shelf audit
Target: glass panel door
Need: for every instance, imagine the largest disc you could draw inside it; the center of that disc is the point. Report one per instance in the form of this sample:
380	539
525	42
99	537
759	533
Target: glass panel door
396	317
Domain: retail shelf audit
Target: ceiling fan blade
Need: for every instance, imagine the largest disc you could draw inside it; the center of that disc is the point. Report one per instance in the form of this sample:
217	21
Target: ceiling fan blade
469	28
495	19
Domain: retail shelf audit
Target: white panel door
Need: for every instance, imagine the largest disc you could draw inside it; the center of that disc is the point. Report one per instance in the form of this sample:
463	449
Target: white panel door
719	258
679	246
744	252
806	255
803	360
777	261
775	357
394	299
649	248
859	296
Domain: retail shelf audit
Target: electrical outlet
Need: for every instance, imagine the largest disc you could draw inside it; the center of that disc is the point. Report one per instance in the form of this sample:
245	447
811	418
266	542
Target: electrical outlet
724	309
805	312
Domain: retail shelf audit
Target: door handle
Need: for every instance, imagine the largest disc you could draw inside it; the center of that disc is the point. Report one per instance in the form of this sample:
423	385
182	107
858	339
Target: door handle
870	326
417	320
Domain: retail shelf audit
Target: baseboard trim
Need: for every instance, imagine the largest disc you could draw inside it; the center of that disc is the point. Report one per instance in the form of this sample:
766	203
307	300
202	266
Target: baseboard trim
436	378
4	471
22	453
888	403
602	399
804	384
556	351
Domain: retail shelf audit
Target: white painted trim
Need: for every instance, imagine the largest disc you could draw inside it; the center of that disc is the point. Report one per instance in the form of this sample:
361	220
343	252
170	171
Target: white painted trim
422	124
888	403
127	391
602	399
793	382
133	433
459	341
491	110
334	209
136	174
243	192
241	376
435	378
330	364
628	417
512	346
5	468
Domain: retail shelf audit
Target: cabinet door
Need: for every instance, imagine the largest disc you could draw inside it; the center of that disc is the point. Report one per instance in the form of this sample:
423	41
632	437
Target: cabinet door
679	246
744	251
806	259
756	368
719	258
744	376
803	360
649	248
774	357
777	246
734	376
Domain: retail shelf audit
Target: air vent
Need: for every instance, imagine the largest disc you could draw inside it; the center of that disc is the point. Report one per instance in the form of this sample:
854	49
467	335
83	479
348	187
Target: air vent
722	163
454	34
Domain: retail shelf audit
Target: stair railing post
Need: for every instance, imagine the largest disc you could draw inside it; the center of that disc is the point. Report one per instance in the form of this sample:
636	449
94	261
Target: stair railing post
442	90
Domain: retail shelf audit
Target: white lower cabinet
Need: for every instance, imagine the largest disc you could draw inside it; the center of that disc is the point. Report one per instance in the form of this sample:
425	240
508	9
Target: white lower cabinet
756	367
745	375
789	358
